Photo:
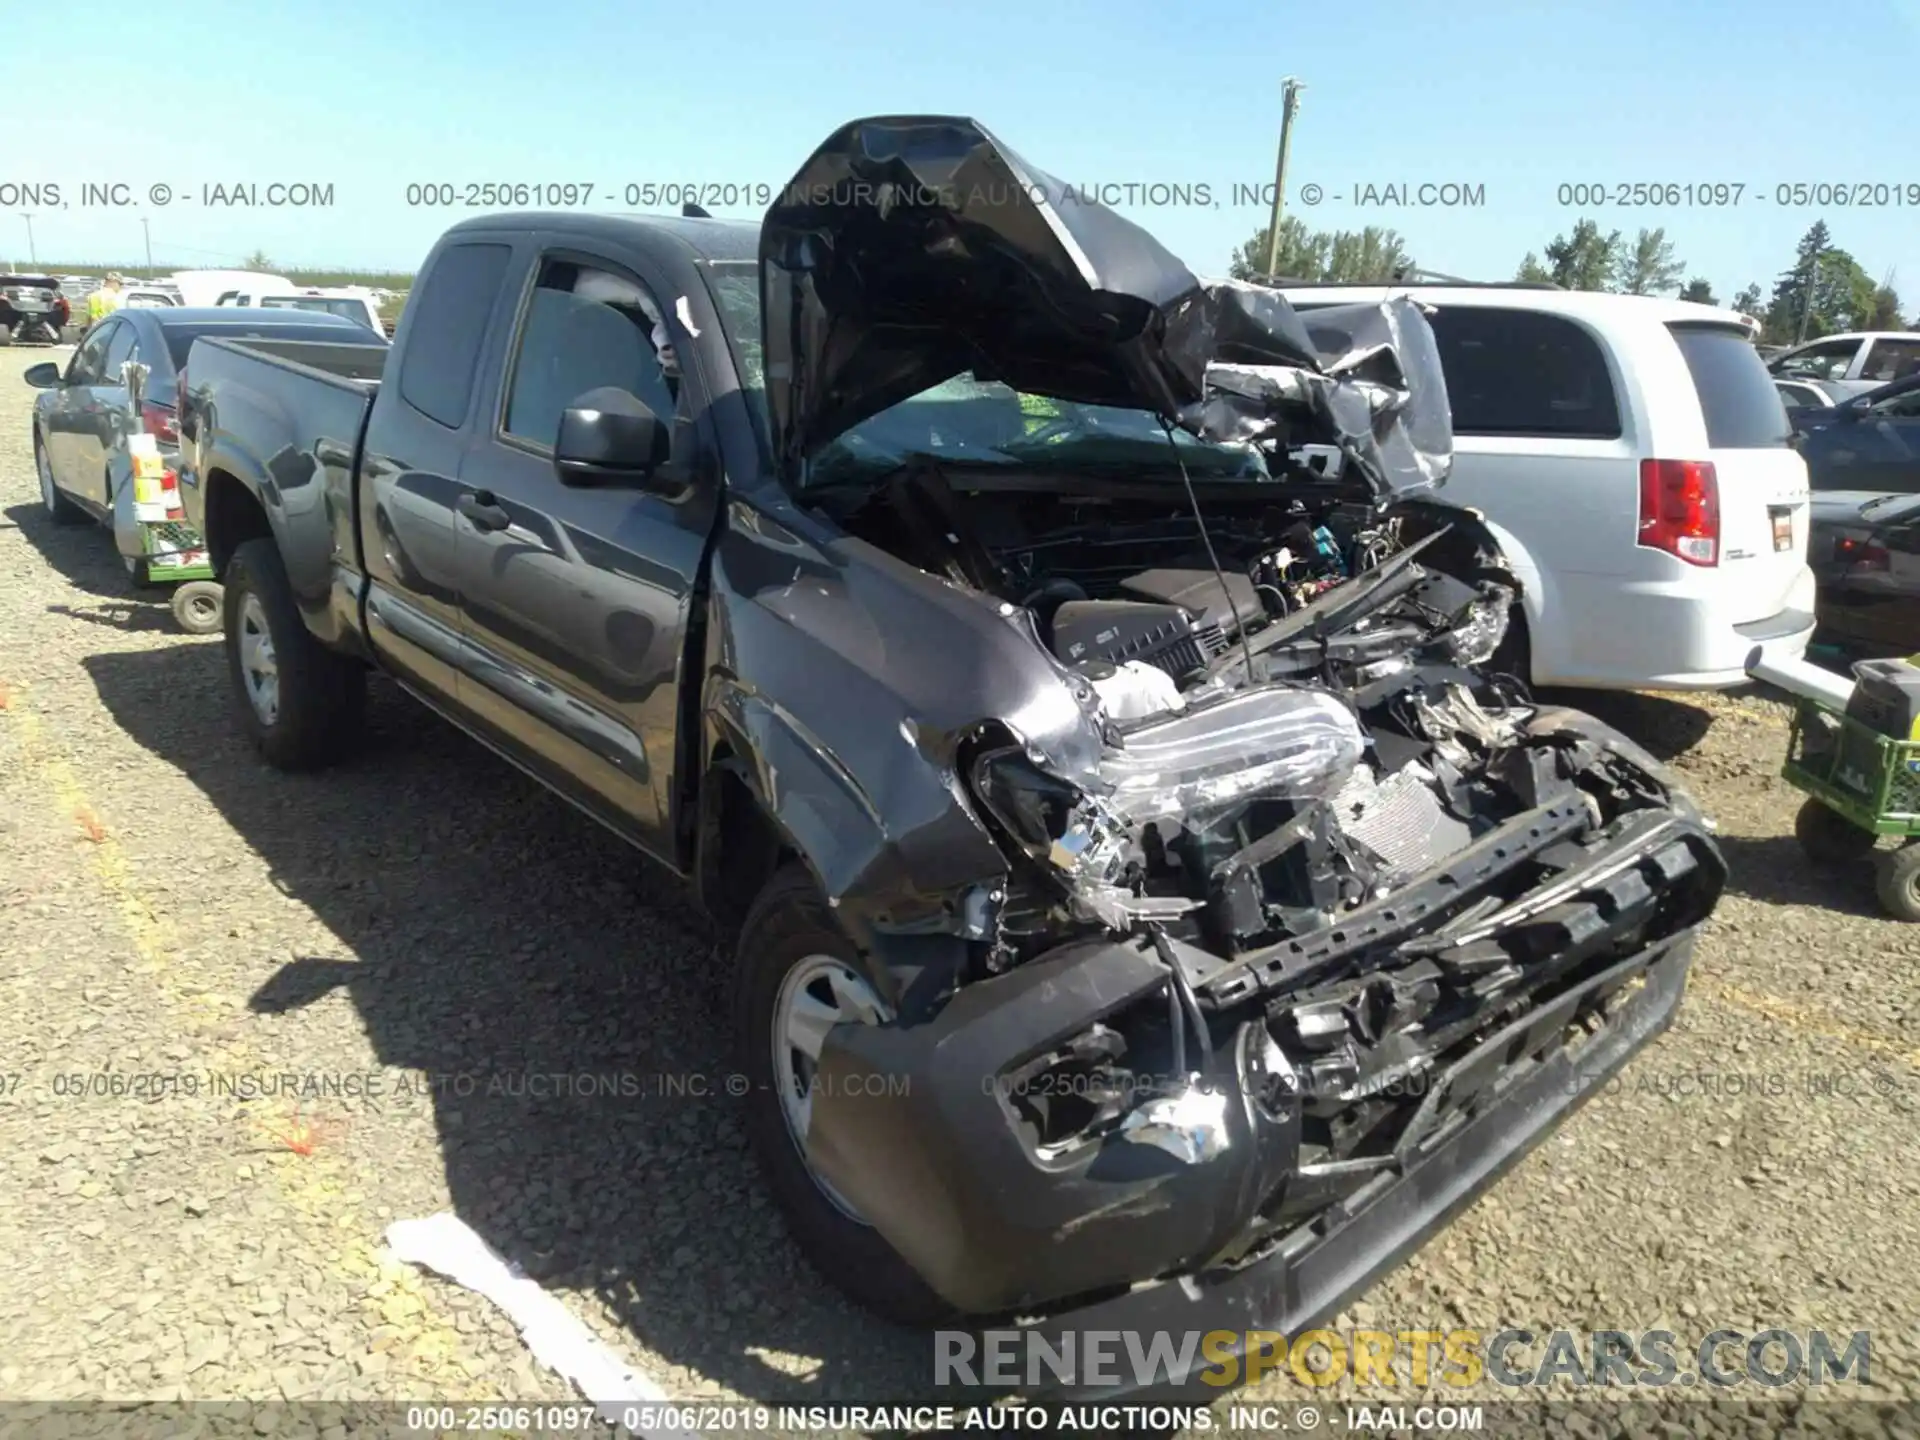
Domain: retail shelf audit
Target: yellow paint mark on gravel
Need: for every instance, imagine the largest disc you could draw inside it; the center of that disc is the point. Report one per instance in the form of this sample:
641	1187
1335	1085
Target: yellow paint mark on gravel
1810	1022
312	1184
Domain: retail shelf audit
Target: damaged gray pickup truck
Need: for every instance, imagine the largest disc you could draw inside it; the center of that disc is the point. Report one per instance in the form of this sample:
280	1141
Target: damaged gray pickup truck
1154	906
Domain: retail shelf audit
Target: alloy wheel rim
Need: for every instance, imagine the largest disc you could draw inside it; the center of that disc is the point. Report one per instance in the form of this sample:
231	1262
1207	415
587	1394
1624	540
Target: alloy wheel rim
818	993
259	668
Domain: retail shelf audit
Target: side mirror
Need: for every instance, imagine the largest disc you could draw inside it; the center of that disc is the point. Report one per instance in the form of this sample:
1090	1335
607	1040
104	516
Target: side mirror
43	376
1852	412
610	437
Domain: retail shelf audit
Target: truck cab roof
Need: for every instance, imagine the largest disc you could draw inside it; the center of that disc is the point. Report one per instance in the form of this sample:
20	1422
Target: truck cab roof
706	239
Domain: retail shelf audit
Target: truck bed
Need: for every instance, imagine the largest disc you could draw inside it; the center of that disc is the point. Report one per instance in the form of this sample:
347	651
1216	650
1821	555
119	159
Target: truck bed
353	363
283	419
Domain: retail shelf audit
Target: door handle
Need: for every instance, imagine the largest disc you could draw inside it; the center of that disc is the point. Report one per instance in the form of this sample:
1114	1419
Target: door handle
480	507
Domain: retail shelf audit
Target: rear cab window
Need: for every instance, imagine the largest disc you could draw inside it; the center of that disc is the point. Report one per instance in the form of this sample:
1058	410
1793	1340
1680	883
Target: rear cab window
451	310
1738	399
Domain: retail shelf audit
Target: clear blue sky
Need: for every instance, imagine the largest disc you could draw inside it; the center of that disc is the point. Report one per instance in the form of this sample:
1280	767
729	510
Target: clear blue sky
370	95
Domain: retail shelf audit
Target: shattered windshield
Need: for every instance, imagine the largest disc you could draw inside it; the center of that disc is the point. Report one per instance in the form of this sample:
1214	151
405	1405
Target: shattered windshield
970	420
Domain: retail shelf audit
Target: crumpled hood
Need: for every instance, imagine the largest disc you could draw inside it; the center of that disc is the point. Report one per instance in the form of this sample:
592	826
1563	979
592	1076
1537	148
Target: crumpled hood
908	249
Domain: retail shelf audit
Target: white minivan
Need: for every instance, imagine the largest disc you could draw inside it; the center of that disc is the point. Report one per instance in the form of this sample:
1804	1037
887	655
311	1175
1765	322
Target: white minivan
1633	457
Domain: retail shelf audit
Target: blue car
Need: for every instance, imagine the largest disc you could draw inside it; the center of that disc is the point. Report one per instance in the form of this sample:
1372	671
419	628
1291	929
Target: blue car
1870	443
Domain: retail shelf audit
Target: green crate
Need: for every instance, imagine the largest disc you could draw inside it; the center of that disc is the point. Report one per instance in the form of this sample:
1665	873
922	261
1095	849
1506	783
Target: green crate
165	543
1871	779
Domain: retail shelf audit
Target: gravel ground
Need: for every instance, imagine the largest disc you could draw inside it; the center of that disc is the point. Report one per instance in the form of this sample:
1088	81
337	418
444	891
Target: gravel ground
422	930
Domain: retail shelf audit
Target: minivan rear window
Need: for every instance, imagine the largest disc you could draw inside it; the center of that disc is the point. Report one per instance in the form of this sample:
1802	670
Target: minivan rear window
1742	408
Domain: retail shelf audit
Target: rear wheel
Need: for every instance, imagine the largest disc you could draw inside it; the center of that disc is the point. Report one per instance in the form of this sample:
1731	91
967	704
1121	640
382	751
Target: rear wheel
798	977
1827	837
59	508
298	702
1898	882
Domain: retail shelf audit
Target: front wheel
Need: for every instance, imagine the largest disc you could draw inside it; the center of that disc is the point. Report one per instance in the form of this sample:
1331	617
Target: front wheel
797	978
298	702
1898	882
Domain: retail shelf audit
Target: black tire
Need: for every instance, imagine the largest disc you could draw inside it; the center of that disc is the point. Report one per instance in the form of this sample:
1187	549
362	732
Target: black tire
199	607
1827	837
786	924
1897	881
6	334
321	696
57	506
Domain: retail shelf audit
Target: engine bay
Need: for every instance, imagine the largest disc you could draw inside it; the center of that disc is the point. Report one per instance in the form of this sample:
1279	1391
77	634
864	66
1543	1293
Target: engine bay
1287	738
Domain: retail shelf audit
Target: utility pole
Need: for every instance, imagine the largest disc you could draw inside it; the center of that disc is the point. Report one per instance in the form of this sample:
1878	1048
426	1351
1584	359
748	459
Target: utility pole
1290	89
148	234
32	258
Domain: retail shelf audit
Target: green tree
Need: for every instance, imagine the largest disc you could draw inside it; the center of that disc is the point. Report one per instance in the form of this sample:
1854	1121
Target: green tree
1699	291
1584	259
1352	256
257	261
1531	270
1885	311
1648	266
1749	300
1792	300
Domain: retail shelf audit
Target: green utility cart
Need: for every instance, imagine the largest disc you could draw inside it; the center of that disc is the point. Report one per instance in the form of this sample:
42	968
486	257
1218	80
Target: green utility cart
172	553
150	531
1860	771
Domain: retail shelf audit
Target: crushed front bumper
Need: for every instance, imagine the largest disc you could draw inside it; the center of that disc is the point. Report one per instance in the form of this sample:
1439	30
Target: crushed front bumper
1307	1280
915	1128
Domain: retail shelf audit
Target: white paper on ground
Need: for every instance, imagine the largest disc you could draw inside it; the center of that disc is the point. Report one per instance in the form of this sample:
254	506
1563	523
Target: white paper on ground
557	1338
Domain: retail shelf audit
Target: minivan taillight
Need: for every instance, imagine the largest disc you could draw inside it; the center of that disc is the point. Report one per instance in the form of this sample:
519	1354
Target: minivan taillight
1680	509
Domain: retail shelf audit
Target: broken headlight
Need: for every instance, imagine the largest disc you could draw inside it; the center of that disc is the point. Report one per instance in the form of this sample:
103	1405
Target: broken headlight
1033	808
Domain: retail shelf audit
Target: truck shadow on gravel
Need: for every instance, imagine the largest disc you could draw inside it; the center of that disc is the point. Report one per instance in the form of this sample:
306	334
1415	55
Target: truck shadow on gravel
1775	870
565	1004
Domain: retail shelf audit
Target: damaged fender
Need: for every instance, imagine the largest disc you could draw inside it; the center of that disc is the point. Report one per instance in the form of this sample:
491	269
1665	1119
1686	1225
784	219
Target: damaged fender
844	721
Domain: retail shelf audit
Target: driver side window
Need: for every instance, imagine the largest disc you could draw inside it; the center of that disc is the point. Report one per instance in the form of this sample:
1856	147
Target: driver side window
89	360
585	328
